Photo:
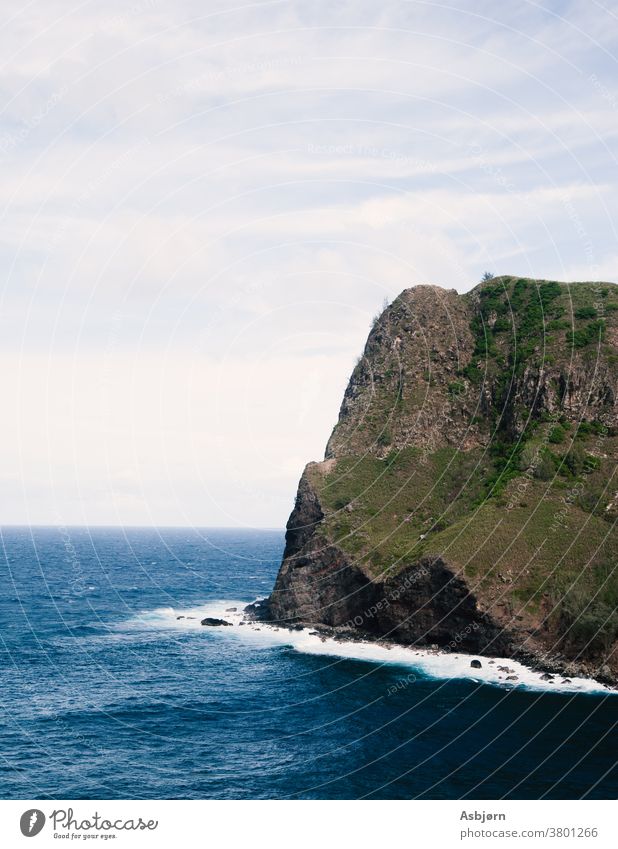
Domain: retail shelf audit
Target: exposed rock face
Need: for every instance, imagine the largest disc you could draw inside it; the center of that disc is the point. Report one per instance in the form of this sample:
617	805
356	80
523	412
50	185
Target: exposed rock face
431	517
306	515
414	349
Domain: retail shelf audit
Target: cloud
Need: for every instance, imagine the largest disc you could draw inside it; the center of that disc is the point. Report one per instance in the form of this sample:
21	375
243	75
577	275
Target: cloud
203	206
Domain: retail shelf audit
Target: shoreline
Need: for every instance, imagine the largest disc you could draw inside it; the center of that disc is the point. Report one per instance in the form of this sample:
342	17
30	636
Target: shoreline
532	660
248	623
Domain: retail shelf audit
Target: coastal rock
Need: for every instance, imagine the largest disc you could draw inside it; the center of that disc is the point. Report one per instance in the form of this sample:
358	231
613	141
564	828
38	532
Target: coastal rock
476	664
463	417
213	622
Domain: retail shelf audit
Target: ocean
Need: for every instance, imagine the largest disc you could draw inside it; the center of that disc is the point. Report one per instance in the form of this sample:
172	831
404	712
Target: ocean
106	694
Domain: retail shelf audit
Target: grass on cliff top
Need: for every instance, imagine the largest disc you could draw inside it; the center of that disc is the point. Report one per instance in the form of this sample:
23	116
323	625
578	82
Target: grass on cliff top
520	322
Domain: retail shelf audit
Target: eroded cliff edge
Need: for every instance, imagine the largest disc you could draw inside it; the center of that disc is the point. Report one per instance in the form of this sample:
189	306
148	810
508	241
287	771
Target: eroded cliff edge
468	498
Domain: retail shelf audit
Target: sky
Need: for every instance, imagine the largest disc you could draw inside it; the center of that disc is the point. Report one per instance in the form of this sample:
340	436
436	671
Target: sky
204	205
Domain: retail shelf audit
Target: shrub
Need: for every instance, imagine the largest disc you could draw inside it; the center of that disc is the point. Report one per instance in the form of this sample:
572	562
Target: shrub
586	428
591	463
592	332
557	435
548	292
501	324
575	459
545	469
385	438
586	312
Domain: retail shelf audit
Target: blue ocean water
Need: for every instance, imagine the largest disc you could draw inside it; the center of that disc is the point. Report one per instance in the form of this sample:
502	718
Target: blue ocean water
105	694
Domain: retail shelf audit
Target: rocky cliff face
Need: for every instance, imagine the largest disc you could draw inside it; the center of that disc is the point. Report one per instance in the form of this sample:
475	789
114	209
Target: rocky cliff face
398	394
468	495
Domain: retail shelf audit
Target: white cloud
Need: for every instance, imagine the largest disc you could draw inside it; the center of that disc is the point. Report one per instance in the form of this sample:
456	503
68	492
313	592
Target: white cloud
203	207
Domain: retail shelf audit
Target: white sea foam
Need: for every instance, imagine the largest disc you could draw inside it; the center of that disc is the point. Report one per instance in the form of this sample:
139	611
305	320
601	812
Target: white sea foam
440	665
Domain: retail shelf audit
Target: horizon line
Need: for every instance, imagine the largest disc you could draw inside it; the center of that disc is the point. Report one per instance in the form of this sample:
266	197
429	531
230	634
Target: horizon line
57	526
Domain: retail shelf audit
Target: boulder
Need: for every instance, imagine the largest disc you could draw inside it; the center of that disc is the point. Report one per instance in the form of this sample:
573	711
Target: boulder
476	664
213	621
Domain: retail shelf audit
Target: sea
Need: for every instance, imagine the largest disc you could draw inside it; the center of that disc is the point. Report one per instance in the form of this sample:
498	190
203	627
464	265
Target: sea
110	688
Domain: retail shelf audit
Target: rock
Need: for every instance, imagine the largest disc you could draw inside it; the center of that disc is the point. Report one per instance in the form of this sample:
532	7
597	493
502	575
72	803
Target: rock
180	617
231	609
419	599
605	672
512	678
547	677
476	664
213	622
566	681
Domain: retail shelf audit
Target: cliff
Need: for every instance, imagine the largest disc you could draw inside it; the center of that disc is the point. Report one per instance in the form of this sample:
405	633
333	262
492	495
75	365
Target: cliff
468	497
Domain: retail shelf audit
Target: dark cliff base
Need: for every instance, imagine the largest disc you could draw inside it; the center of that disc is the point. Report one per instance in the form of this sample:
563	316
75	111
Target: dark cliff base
537	660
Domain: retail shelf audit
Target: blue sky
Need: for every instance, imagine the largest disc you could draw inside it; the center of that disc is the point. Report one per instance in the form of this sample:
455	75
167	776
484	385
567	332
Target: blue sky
203	207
